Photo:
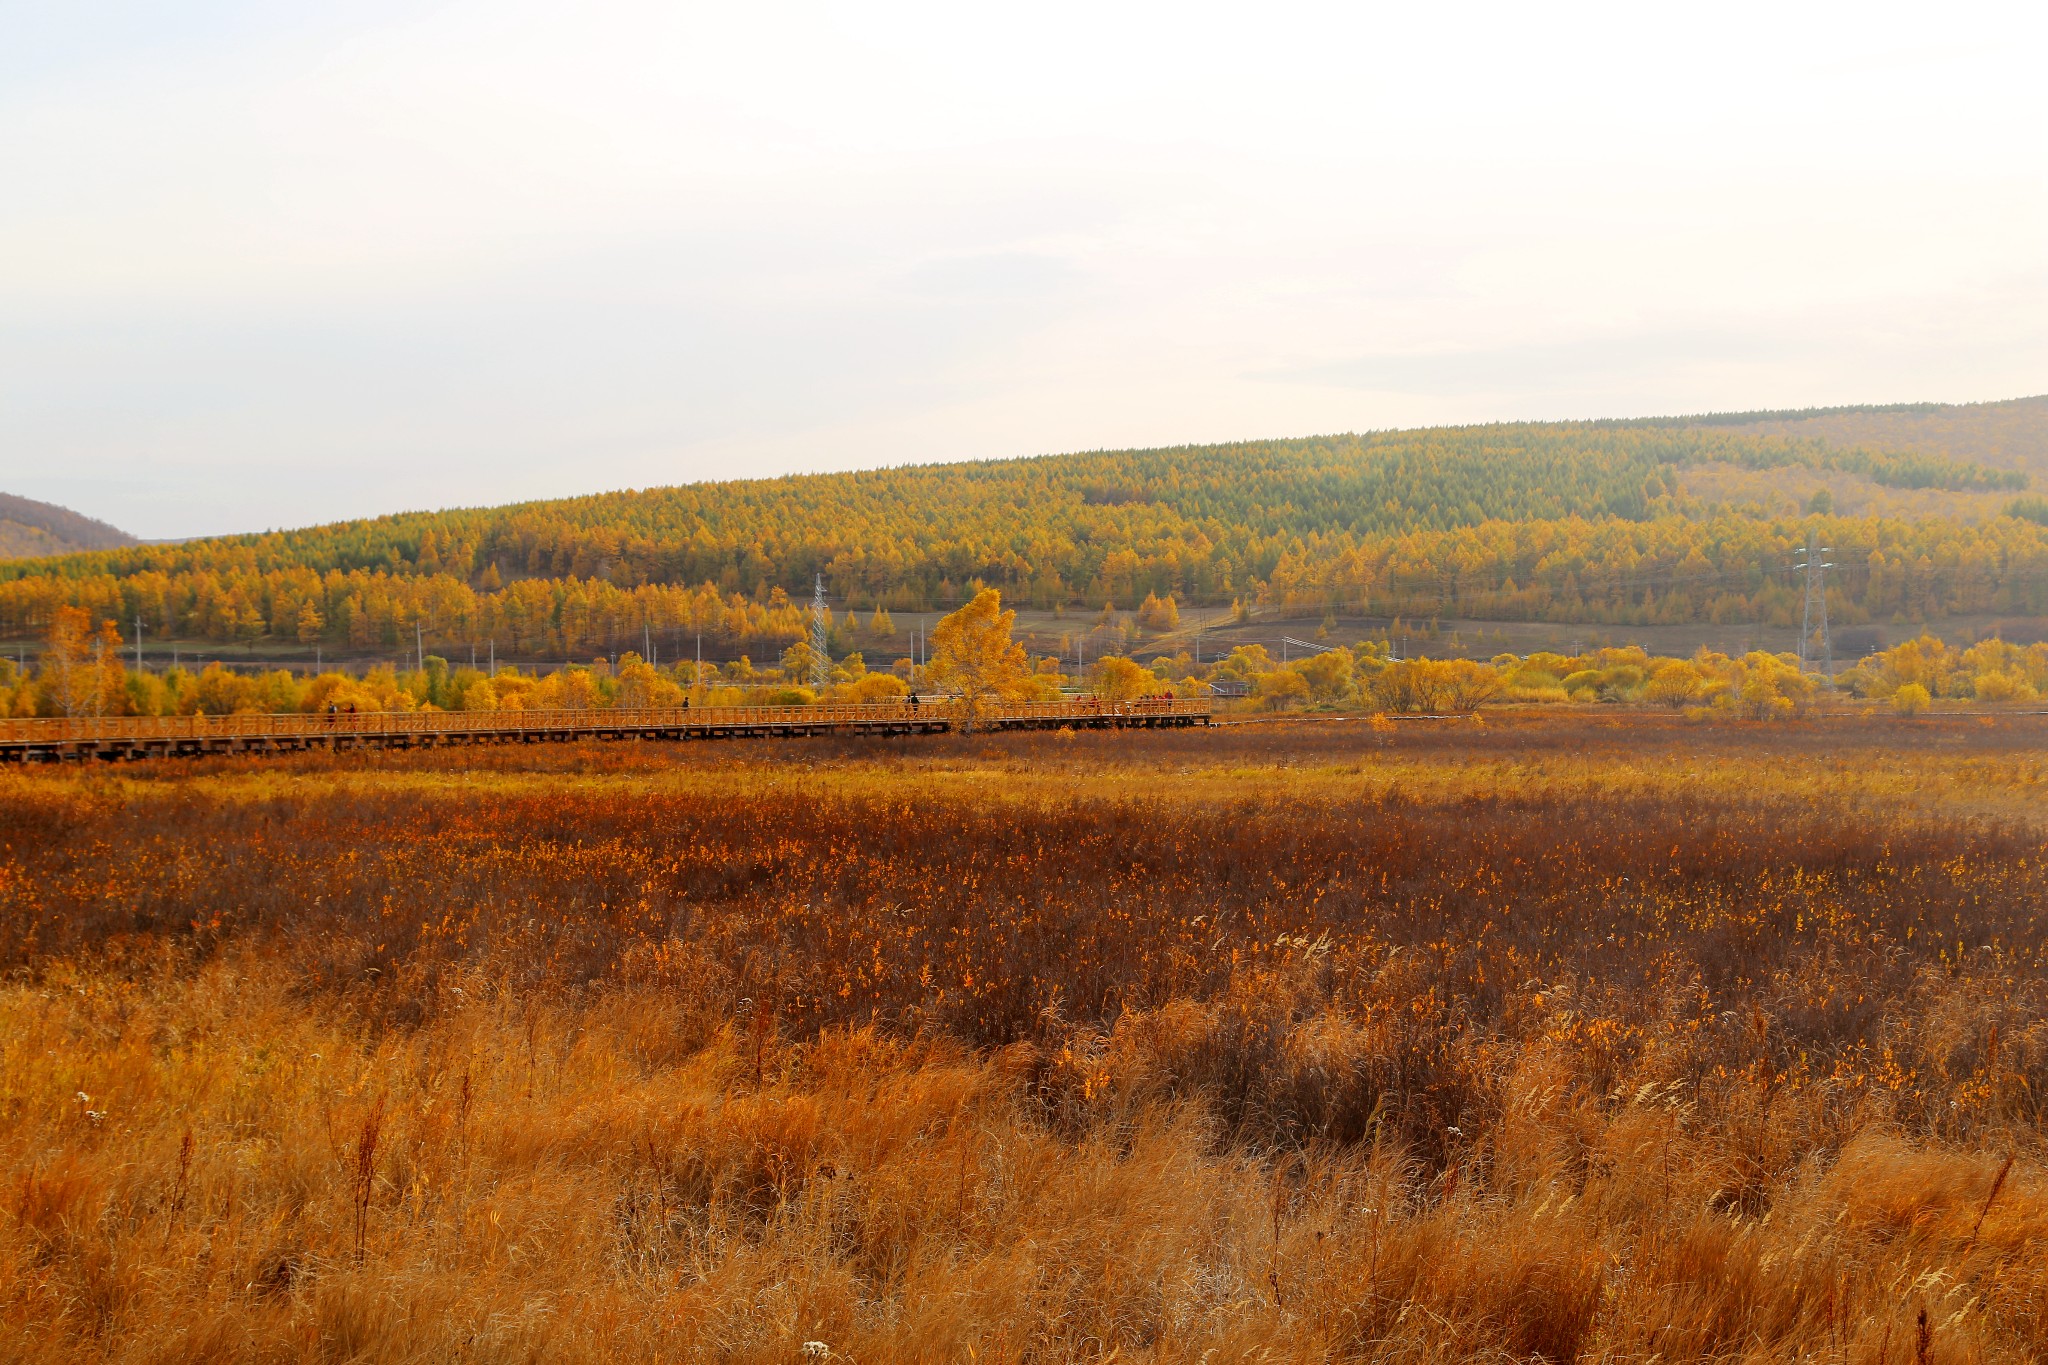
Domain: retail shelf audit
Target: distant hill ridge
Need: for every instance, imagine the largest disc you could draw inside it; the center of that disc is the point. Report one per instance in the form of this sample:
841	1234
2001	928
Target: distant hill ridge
1739	419
30	529
2009	435
2012	434
1623	522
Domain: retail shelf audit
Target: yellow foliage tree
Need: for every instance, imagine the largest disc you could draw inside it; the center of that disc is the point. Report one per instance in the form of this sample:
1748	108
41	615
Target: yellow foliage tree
1120	679
1282	688
1328	674
973	654
641	685
798	661
82	671
1158	613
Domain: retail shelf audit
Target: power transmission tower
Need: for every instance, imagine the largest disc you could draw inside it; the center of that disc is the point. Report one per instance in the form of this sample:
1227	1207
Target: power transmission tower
821	617
1815	618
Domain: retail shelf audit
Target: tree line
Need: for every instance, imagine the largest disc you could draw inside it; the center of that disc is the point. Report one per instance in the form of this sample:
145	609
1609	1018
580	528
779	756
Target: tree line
1671	570
81	671
1555	522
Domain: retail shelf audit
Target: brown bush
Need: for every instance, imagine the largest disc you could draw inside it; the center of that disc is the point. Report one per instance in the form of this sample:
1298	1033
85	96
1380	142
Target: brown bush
1551	1040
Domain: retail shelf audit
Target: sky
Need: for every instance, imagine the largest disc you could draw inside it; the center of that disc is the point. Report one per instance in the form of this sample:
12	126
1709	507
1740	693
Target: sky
276	263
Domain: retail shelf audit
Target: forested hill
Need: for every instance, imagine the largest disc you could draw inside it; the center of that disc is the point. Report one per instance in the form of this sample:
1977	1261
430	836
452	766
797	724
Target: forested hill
2009	435
1650	521
31	529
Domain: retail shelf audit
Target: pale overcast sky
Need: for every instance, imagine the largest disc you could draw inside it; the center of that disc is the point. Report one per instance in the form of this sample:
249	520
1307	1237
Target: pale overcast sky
266	264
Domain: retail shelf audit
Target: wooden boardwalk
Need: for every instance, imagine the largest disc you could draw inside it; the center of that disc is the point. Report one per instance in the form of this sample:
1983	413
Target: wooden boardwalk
133	737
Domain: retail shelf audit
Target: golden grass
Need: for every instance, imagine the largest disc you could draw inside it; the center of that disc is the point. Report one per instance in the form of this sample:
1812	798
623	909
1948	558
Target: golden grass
1552	1040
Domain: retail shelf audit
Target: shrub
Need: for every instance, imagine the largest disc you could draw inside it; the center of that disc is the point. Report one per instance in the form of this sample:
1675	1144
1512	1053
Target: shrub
871	688
1282	689
1554	1039
1997	687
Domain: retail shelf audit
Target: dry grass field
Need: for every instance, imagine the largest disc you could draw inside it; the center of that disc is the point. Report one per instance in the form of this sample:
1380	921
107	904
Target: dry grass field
1567	1037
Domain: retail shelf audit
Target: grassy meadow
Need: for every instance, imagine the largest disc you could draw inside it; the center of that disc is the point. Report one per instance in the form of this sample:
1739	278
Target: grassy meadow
1567	1036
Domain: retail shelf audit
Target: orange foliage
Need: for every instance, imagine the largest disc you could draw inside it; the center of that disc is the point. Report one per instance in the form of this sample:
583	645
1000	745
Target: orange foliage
1553	1038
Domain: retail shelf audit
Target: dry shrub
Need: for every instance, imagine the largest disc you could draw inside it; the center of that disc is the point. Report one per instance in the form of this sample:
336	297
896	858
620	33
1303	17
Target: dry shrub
1515	1044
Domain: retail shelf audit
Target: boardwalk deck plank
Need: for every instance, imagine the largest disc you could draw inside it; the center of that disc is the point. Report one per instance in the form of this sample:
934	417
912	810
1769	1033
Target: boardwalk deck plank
136	737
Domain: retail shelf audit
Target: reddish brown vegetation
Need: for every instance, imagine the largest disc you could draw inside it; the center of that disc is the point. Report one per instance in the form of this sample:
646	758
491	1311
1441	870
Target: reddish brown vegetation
1561	1041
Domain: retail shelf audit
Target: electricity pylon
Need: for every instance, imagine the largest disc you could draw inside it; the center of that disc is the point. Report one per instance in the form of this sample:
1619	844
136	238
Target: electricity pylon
1815	567
821	617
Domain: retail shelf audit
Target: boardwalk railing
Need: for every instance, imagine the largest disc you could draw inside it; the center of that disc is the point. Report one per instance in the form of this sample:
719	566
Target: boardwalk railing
140	736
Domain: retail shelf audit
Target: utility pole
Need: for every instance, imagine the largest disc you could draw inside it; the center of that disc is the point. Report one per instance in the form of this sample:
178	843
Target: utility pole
494	656
419	646
138	644
821	616
1815	617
